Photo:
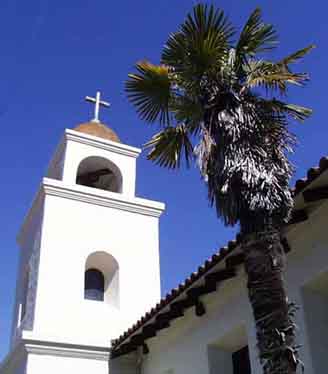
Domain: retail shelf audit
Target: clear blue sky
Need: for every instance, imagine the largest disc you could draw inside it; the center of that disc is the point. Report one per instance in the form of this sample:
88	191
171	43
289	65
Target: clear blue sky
53	53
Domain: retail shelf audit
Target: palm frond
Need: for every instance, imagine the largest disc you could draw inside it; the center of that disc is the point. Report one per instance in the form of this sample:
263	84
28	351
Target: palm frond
188	111
200	44
271	76
207	91
255	37
169	146
149	90
294	57
296	112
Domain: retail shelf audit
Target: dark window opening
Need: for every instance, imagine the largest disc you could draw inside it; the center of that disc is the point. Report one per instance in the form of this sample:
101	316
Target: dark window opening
240	361
100	173
94	284
102	179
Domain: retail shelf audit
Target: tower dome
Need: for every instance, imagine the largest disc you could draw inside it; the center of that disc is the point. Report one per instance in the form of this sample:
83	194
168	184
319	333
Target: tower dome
98	129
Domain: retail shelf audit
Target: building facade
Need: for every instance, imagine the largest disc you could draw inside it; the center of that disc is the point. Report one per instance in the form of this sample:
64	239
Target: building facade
88	246
89	268
205	325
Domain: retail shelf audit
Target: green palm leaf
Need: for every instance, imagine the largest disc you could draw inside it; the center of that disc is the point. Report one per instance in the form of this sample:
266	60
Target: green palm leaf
294	57
271	76
256	37
201	43
297	112
169	146
189	111
150	90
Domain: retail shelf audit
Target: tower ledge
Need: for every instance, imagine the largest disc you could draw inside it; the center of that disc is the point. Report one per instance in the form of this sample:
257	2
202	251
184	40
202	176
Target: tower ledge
89	195
103	143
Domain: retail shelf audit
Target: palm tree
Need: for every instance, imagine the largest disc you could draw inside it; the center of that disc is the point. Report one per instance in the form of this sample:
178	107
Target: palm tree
221	103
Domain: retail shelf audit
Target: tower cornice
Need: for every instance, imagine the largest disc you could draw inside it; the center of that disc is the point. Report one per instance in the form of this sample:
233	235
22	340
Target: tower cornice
88	195
90	140
104	198
101	143
45	346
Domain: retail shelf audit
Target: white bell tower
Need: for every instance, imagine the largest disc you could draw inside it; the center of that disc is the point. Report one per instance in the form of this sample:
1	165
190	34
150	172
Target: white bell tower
89	263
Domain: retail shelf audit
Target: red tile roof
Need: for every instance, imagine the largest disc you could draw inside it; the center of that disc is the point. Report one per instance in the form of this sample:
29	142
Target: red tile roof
311	175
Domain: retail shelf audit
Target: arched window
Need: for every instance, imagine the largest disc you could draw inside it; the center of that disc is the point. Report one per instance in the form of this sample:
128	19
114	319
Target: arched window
94	285
102	281
98	172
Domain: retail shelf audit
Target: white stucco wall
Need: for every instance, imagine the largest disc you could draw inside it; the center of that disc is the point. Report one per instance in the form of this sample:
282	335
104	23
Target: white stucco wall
65	225
29	241
316	313
76	147
51	364
196	345
15	362
190	341
72	231
128	364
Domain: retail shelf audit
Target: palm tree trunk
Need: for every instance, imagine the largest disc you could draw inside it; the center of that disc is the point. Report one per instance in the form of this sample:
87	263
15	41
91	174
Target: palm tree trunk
264	265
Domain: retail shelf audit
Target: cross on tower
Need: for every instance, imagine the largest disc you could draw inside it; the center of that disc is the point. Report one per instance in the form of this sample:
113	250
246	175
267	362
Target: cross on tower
97	103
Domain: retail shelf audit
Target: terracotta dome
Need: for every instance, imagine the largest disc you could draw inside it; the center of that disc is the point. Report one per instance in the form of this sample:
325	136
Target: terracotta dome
98	129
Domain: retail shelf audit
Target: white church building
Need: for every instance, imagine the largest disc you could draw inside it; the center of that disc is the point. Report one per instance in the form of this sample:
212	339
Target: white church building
88	287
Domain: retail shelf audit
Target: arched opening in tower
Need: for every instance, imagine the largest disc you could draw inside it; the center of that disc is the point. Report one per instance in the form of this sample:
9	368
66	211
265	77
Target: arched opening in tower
98	172
101	278
94	284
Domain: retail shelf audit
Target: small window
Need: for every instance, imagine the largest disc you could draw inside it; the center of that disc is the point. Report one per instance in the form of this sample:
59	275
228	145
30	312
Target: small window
240	361
102	280
94	284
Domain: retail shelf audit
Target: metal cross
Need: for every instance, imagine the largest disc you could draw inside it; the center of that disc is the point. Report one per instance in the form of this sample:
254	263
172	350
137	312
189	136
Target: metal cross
97	103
